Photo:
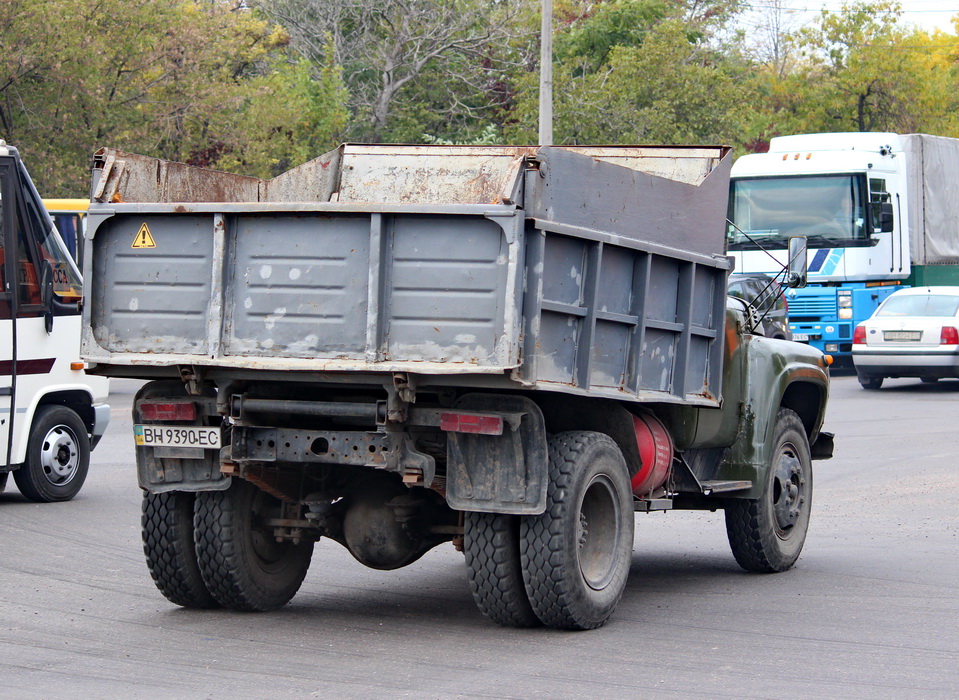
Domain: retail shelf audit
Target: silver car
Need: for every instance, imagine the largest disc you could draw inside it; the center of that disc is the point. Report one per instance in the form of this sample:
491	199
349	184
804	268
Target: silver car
913	333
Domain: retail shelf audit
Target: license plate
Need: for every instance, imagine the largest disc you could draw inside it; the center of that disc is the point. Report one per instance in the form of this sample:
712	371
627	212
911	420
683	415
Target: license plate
177	436
902	335
801	337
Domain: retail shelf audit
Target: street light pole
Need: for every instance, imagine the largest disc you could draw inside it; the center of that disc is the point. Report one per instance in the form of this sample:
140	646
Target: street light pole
546	75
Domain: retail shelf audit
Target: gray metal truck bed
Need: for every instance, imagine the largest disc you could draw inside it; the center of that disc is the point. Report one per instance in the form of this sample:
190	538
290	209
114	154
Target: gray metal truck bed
585	270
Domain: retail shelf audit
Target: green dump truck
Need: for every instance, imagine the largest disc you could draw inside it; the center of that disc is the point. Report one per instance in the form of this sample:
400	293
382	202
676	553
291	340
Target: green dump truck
513	349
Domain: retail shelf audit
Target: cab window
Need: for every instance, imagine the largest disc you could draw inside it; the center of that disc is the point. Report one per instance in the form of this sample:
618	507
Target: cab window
39	243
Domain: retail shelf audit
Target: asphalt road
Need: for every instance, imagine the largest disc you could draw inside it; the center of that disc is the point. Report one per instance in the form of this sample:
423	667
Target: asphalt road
871	610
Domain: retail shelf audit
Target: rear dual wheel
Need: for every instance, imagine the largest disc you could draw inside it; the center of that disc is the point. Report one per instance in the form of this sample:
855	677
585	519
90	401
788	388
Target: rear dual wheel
215	548
567	567
167	530
240	561
491	544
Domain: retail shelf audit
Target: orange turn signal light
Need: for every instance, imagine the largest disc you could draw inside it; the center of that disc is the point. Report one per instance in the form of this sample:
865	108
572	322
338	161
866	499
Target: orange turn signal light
827	359
77	365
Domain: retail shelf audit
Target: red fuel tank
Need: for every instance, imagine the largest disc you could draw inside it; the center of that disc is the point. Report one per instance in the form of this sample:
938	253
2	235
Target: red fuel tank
655	451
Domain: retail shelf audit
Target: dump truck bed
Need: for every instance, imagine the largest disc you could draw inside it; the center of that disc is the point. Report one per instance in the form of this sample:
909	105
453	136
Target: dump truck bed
585	270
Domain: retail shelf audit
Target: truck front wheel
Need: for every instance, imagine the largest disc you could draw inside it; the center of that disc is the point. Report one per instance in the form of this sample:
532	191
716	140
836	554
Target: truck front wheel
766	534
491	544
167	528
242	564
58	456
576	555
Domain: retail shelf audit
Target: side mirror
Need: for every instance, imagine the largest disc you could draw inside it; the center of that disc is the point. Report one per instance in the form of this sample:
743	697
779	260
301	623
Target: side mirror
46	293
796	268
885	217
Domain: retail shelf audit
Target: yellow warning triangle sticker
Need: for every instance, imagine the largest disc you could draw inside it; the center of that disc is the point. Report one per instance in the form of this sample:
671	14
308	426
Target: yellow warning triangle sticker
144	239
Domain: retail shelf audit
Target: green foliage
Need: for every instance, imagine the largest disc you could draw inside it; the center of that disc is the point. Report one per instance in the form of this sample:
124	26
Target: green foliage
859	70
214	83
180	79
488	136
592	37
411	66
287	116
664	84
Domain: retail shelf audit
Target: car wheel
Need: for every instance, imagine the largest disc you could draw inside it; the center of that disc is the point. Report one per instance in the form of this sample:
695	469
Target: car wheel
871	383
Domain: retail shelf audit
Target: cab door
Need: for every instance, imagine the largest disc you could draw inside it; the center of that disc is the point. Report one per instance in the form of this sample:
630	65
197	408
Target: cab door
28	349
7	336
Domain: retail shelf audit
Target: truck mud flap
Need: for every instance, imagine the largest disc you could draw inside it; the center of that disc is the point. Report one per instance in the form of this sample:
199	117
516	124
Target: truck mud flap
823	447
164	469
504	473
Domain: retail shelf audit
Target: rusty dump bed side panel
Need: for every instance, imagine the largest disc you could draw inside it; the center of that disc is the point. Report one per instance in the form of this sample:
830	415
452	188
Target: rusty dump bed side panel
593	270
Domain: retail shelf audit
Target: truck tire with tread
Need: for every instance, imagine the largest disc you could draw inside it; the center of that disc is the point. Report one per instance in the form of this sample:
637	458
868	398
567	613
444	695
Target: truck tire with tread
492	548
58	456
767	534
167	529
242	564
576	556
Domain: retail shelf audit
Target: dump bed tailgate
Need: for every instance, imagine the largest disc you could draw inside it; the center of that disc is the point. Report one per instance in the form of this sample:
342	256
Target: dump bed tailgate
334	286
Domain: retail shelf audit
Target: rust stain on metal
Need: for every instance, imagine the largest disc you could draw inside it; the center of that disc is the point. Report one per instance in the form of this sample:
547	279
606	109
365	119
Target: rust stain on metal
281	483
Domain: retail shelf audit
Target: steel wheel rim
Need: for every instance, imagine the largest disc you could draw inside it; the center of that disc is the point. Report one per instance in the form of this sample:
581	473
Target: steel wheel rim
788	490
60	455
598	533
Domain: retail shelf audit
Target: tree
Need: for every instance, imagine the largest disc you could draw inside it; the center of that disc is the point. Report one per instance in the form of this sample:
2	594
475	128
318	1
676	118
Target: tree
144	76
851	77
286	117
770	36
387	46
640	71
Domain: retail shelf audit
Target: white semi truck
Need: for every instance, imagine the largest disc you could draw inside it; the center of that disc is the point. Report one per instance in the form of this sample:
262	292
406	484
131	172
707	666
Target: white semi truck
51	412
880	211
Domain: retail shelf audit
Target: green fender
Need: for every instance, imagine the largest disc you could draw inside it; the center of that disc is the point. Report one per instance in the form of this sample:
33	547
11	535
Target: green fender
775	374
760	375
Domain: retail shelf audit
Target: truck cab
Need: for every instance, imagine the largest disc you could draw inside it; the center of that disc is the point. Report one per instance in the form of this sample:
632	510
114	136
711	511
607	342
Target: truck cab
51	412
846	194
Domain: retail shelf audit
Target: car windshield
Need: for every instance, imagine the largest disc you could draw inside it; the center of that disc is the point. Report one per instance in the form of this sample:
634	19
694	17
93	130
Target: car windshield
920	305
765	212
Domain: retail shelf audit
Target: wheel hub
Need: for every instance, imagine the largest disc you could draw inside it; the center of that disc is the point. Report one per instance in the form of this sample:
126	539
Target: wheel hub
789	490
59	455
598	534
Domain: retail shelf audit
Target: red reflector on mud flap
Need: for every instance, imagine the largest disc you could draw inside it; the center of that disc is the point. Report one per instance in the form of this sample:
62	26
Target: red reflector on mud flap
471	423
168	410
